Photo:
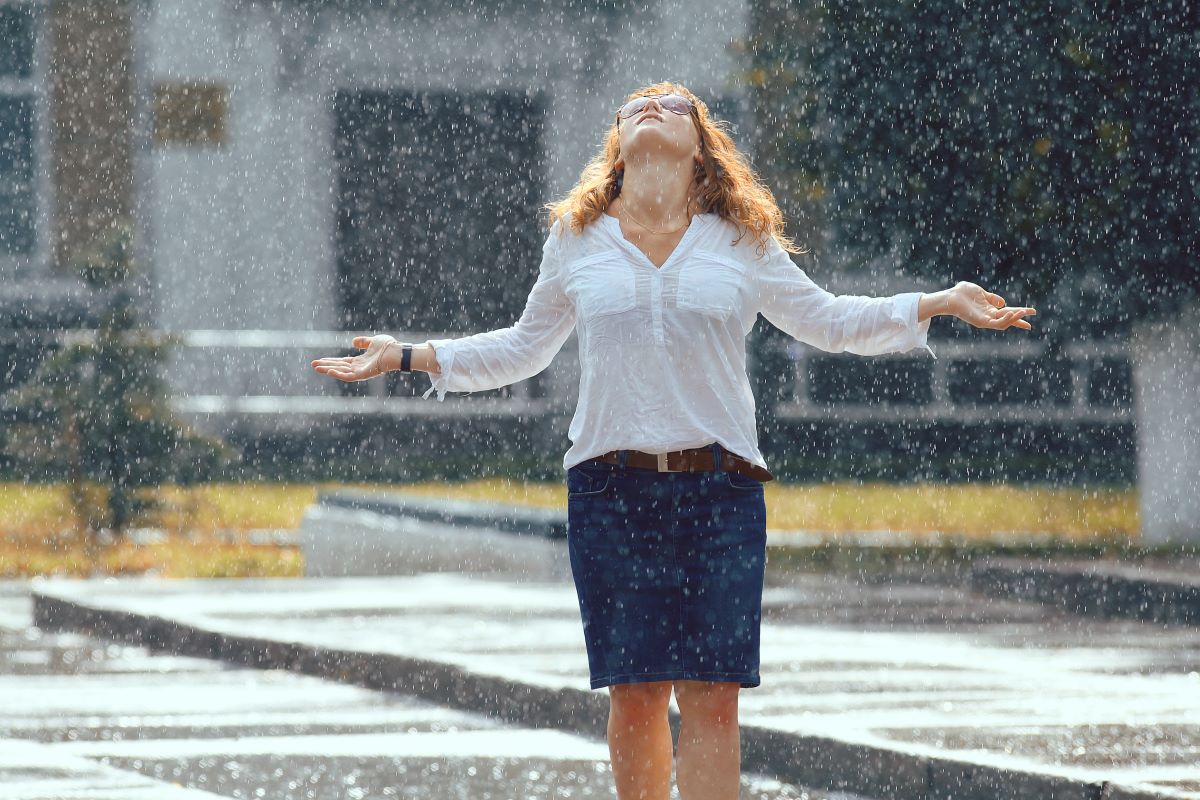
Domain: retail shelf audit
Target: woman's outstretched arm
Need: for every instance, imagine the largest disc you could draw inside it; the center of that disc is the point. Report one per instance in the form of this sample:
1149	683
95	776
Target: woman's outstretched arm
482	361
868	326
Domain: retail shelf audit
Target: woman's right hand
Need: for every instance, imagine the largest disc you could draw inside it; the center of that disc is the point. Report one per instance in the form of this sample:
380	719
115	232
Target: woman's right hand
365	365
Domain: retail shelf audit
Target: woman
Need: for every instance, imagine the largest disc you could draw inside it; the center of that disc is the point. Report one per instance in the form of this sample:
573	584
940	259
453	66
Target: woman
661	258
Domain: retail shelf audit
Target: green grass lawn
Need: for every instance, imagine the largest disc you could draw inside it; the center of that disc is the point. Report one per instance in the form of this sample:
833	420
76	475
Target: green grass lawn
39	537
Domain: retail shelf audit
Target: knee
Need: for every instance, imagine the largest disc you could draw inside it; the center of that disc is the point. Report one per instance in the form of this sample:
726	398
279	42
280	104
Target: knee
636	701
707	703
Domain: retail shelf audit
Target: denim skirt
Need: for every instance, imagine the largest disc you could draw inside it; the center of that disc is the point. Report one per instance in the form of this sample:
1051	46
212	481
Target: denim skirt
668	568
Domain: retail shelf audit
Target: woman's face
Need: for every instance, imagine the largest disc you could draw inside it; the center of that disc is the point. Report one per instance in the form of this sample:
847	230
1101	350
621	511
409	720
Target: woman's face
655	132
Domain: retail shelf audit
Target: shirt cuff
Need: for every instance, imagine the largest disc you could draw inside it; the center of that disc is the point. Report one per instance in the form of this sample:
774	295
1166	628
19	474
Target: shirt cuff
443	351
907	305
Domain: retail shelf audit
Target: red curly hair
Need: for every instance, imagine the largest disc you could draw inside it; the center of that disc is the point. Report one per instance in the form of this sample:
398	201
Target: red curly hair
727	183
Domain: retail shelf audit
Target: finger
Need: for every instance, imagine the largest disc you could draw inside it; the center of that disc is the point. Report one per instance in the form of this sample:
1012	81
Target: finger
1004	319
1018	322
361	342
330	368
994	299
330	364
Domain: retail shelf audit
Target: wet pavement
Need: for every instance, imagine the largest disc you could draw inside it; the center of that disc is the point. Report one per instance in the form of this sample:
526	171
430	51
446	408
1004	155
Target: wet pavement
950	683
1147	590
81	717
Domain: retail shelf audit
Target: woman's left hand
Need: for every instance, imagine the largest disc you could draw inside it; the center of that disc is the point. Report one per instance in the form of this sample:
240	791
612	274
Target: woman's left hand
975	305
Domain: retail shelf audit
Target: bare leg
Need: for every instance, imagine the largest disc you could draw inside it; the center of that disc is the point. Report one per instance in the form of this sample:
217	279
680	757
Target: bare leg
709	763
639	740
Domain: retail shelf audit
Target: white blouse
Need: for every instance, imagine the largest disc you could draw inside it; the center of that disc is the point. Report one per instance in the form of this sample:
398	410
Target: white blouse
662	350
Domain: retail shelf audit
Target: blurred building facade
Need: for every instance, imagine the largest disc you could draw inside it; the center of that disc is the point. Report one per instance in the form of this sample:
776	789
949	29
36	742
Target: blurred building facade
299	168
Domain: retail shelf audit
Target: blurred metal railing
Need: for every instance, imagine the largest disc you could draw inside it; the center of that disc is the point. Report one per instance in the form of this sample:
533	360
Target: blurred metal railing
1039	392
264	375
249	374
297	390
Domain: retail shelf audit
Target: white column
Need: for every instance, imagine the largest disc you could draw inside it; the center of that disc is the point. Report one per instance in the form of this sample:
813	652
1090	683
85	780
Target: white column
1166	382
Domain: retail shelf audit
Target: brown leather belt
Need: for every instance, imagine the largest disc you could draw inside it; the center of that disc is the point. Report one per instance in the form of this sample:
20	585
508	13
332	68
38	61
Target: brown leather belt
695	459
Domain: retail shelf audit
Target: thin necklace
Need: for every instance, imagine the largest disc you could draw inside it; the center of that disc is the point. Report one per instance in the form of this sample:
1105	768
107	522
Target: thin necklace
643	225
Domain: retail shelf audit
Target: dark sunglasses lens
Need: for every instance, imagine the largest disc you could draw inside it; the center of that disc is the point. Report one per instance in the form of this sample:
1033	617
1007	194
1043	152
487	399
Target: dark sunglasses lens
671	102
675	103
633	106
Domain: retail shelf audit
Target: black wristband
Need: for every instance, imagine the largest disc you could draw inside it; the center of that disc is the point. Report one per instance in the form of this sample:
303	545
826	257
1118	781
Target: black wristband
406	358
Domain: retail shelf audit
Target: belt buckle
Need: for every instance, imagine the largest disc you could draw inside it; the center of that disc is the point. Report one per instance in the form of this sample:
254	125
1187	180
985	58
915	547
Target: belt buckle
662	464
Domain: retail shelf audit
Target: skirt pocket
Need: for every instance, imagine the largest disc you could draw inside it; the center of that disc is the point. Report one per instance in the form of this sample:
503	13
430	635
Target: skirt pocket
587	481
742	482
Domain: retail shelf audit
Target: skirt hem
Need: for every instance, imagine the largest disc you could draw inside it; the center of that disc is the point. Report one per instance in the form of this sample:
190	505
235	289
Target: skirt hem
748	680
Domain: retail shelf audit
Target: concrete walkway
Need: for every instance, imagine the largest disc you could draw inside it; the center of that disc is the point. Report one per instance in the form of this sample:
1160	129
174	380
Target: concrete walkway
889	689
89	719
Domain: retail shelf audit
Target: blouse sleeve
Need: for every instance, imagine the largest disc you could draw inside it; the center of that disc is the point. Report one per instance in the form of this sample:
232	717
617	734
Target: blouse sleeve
867	326
508	355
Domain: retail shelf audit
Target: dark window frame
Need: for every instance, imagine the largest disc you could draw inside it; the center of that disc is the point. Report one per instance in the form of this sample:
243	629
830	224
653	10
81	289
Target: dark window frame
28	85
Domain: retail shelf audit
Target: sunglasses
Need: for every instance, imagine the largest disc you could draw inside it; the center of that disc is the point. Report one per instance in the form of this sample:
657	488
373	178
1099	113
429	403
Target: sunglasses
674	103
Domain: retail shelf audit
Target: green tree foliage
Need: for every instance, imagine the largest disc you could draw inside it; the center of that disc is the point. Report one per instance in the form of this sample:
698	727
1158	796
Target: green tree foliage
1040	149
96	411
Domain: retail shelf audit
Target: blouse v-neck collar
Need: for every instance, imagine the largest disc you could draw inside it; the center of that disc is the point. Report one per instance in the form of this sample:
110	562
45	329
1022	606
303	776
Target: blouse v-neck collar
614	226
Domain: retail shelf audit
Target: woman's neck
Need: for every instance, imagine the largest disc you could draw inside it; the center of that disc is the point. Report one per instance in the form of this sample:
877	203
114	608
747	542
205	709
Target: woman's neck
658	193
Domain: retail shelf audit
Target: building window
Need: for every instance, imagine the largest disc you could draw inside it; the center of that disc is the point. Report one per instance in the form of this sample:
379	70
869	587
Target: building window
16	41
18	194
189	114
438	201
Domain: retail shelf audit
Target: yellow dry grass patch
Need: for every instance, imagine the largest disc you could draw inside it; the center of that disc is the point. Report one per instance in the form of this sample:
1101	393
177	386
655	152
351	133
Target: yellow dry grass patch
45	509
174	558
38	536
921	509
975	512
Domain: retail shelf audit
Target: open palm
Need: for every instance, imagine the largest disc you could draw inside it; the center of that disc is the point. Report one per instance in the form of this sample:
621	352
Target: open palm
975	305
359	367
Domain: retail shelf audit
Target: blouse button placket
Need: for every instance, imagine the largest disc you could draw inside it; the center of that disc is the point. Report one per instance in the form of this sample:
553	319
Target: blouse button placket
656	307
